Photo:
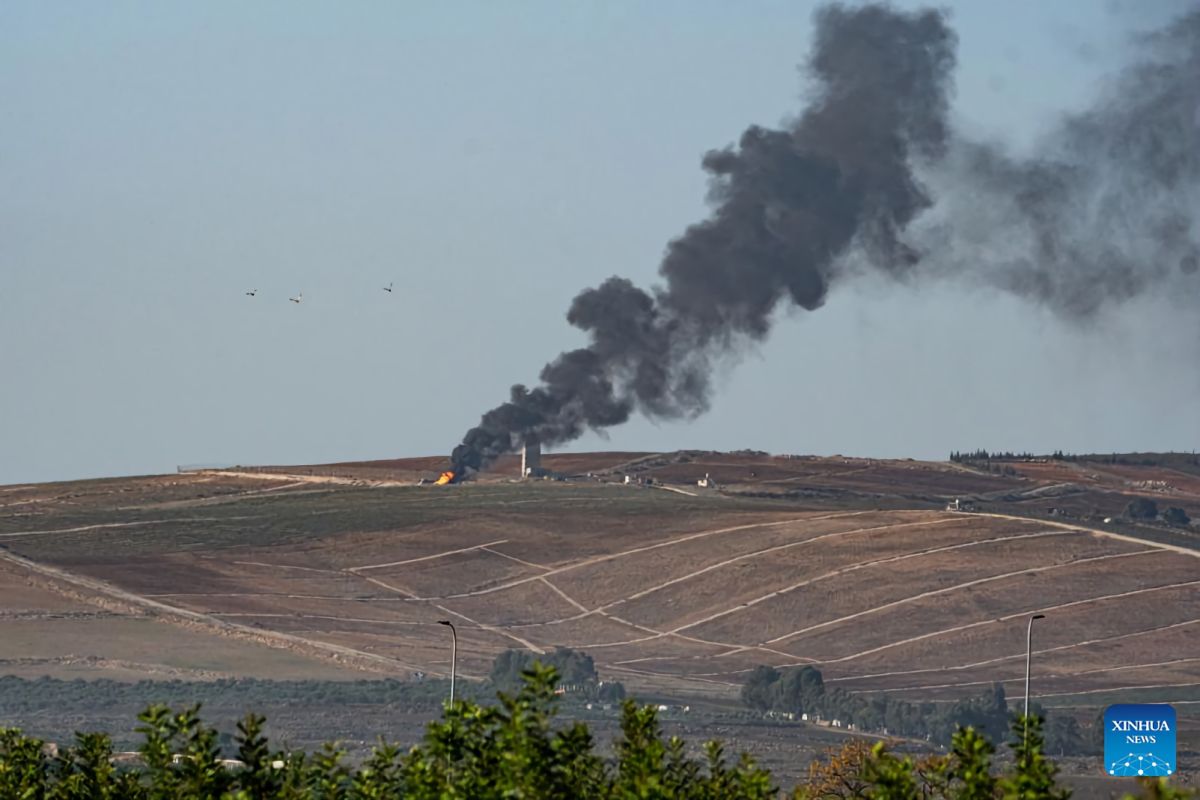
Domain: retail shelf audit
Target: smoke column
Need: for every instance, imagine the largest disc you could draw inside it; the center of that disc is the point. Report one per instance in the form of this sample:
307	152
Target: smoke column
1106	211
871	167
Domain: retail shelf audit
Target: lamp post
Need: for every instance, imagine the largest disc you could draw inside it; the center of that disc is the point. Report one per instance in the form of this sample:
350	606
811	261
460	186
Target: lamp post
1028	658
454	655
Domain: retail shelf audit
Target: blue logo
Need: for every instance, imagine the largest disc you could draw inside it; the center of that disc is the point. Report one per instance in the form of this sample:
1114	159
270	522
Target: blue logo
1139	740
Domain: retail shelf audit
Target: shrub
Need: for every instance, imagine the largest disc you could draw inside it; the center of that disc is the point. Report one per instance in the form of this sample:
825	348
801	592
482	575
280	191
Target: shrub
509	750
1176	516
1141	508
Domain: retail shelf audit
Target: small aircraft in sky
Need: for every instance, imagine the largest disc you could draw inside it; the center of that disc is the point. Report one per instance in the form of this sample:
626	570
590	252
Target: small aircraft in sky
298	298
388	288
251	293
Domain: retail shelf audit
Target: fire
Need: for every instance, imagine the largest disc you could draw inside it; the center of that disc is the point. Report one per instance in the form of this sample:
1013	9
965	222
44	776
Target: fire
445	478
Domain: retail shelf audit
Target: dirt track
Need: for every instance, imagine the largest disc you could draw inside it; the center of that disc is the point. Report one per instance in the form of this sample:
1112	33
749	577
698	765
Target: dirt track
676	588
343	655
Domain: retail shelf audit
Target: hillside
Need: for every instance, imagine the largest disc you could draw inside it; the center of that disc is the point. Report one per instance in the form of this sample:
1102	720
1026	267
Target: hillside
852	565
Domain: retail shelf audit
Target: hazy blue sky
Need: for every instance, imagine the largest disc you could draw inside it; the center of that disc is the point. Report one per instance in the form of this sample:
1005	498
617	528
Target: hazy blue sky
491	159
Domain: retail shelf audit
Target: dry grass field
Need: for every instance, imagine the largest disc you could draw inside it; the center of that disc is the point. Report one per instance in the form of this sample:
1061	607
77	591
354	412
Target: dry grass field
52	629
345	569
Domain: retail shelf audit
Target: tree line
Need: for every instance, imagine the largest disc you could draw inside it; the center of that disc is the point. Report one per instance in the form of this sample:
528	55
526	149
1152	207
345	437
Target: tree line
802	690
22	695
512	749
983	455
1143	508
26	695
1129	459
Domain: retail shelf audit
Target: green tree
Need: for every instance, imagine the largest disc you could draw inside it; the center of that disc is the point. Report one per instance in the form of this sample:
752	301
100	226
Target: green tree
1064	736
1141	508
1176	516
970	768
573	667
514	750
1033	776
757	691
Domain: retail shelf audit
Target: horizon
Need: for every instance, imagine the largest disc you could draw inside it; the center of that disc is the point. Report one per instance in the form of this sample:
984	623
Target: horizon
165	161
1000	454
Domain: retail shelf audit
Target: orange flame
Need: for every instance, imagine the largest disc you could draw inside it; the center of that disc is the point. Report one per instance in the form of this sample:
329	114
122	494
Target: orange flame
445	478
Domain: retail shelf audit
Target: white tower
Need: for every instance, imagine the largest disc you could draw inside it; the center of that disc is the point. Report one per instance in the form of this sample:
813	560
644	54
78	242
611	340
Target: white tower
531	457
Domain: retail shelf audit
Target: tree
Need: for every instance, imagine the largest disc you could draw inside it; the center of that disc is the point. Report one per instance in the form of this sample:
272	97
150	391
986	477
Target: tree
757	691
1064	737
506	669
839	775
1141	508
515	749
610	692
1176	516
798	689
572	666
1033	774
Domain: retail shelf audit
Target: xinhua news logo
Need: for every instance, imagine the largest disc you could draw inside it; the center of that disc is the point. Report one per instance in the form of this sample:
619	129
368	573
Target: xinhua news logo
1139	740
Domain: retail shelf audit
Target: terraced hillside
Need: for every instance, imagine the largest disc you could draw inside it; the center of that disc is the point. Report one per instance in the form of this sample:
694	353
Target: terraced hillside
682	591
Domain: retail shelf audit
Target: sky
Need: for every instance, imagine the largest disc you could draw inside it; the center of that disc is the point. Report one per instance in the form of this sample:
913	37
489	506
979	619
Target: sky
488	160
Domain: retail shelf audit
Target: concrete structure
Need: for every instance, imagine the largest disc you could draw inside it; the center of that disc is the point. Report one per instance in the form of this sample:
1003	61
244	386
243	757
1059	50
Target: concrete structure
531	458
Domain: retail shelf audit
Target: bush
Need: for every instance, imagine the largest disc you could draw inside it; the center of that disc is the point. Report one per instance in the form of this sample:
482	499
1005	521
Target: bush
1176	516
1141	508
510	750
507	750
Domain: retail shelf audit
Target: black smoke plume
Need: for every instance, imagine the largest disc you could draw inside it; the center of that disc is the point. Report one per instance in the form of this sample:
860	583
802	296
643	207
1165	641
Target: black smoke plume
1107	211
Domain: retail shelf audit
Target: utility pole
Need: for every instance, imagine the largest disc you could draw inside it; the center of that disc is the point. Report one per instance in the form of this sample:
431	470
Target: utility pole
1028	659
454	657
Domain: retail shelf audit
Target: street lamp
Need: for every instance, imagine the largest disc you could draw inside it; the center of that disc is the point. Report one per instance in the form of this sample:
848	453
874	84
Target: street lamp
1028	658
454	655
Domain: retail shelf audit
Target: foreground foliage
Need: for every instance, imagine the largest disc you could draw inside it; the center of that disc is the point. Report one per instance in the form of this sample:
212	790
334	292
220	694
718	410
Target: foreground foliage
509	750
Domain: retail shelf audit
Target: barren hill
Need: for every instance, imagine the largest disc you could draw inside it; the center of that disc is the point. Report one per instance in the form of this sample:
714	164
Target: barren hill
852	565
